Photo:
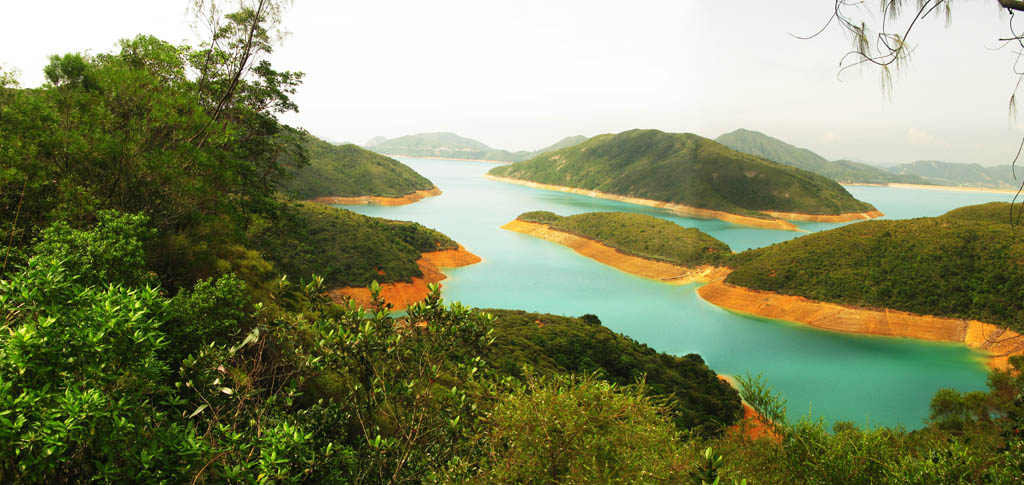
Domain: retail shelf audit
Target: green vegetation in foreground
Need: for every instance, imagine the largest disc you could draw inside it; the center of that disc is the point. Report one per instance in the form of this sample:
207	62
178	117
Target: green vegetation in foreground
967	263
146	337
345	248
685	169
552	345
348	171
761	145
640	235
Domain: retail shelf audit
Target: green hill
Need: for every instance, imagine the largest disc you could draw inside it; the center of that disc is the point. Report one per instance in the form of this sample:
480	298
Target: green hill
560	144
348	171
960	174
685	169
345	248
640	235
445	145
761	145
967	263
552	344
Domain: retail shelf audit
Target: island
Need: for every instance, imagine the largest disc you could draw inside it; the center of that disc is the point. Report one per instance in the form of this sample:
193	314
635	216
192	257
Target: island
450	146
351	250
348	175
691	175
635	243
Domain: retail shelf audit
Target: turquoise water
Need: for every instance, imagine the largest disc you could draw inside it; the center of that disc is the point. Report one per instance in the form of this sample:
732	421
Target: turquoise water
868	380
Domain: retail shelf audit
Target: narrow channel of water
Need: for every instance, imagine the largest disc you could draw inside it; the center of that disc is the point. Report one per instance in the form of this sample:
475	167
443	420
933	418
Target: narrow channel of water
868	380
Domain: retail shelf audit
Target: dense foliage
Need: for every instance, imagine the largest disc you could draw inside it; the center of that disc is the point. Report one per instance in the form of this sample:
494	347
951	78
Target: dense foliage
967	263
761	145
345	248
348	170
553	345
640	235
685	169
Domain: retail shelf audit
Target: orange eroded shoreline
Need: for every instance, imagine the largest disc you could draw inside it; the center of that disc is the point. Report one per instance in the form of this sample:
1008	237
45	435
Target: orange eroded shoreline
678	208
777	223
655	270
998	342
751	425
847	217
379	200
402	294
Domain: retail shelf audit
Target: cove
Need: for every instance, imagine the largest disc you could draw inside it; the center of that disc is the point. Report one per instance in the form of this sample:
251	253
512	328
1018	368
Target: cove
864	379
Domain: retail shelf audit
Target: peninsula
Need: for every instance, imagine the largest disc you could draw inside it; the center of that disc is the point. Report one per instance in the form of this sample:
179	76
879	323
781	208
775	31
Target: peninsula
639	244
954	278
351	250
691	175
348	174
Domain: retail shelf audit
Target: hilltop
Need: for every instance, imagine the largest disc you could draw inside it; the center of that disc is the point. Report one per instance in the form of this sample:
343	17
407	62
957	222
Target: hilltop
351	171
690	172
761	145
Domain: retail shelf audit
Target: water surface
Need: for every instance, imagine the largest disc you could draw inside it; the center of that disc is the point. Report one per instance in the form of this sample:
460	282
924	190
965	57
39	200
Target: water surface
865	379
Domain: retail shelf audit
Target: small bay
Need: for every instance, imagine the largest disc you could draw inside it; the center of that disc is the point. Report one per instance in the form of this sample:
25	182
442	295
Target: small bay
864	379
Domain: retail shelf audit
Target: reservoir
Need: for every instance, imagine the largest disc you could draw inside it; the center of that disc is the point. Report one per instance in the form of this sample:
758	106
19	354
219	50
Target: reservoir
865	379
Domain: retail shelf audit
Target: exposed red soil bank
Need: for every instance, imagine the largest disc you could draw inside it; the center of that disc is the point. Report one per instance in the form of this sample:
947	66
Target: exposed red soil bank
690	211
647	268
1000	343
402	294
378	200
752	427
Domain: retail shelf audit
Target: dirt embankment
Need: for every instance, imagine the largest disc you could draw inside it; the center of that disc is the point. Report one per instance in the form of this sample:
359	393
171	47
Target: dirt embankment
681	209
656	270
847	217
751	424
378	200
402	294
998	342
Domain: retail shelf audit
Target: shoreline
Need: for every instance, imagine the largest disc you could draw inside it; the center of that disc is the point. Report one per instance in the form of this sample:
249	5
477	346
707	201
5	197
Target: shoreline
401	294
998	343
750	424
635	265
378	199
953	188
681	209
448	158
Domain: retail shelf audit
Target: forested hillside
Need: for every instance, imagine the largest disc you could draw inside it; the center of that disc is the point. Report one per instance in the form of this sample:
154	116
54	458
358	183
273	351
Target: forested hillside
685	169
348	171
964	264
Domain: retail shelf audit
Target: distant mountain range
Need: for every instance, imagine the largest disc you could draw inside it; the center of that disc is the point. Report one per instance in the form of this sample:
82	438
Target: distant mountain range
961	174
921	172
450	145
764	146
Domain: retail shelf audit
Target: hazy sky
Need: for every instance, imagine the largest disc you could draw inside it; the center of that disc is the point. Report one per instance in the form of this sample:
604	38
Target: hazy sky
523	74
